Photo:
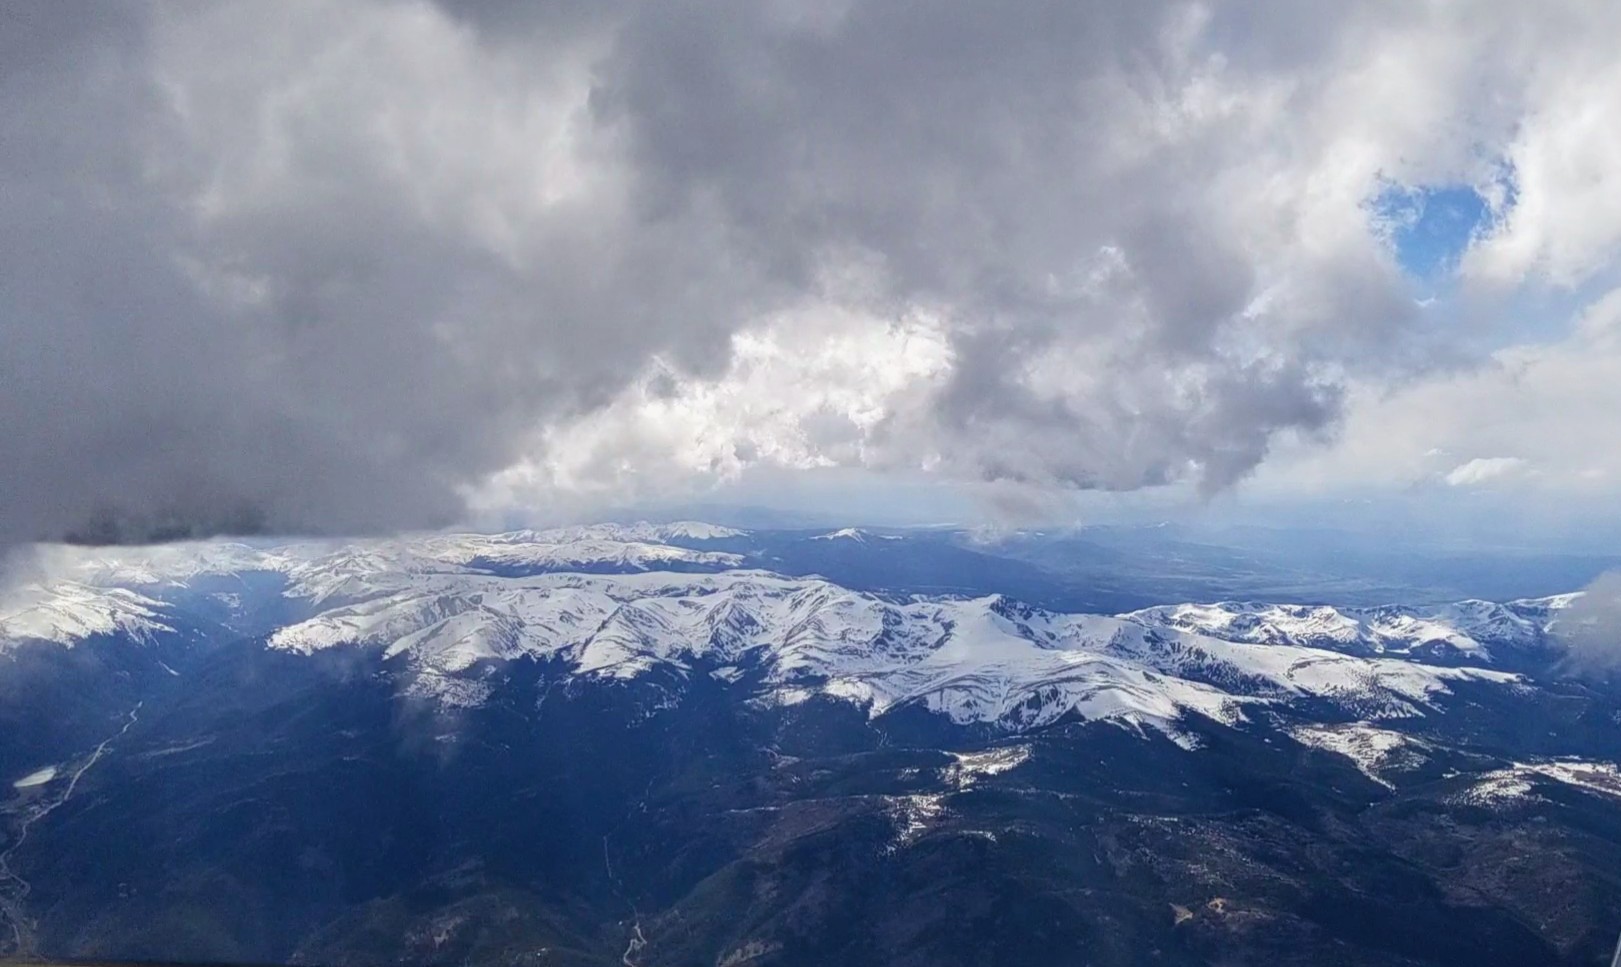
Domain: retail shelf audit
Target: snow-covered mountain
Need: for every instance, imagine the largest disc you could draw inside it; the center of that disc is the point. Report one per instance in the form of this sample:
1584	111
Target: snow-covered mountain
326	570
418	748
856	534
615	603
639	532
67	612
1465	628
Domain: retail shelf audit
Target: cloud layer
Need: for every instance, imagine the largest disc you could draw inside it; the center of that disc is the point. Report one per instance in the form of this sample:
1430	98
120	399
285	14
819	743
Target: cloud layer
343	266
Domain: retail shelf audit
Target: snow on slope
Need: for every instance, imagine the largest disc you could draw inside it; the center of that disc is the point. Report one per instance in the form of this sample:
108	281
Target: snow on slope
1465	627
1371	749
363	570
979	660
587	552
968	768
66	612
1517	783
352	570
854	534
158	565
640	532
444	608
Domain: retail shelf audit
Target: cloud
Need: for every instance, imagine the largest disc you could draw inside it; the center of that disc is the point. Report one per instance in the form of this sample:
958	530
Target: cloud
807	389
1589	630
367	264
1483	469
1564	224
1542	413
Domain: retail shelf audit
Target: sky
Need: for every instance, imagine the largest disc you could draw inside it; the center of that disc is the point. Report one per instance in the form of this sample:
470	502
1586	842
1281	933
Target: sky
359	266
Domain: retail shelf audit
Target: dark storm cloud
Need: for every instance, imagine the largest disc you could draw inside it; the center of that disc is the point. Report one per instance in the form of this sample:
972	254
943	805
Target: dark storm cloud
216	313
321	267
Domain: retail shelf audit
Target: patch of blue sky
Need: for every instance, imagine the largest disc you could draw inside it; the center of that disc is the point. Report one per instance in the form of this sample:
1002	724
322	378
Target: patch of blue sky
1430	227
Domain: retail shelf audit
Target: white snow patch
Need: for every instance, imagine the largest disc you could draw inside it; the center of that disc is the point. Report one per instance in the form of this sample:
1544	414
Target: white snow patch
1369	748
448	692
1499	787
38	777
785	697
855	534
1517	782
1467	627
913	816
1600	777
67	612
970	767
641	531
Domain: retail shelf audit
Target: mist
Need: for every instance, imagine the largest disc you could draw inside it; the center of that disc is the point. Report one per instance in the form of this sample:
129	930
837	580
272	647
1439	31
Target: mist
1589	630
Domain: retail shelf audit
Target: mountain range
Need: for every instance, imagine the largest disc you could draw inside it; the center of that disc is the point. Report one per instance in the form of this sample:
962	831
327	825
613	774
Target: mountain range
691	744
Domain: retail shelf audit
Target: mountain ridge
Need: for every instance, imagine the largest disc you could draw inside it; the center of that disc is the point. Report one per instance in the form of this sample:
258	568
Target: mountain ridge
560	747
447	605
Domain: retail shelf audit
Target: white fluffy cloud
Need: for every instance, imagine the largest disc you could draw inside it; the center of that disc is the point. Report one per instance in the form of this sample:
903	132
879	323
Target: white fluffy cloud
1538	416
808	389
1483	469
